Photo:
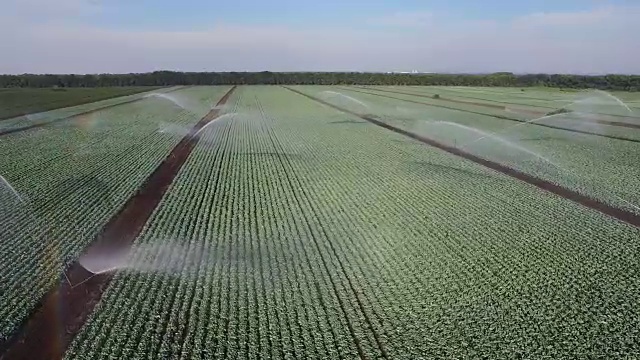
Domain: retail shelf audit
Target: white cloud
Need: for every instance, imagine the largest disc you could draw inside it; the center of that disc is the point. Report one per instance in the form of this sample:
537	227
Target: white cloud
600	41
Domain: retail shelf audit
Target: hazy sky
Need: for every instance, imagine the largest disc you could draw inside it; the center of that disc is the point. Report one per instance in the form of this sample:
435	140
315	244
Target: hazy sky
94	36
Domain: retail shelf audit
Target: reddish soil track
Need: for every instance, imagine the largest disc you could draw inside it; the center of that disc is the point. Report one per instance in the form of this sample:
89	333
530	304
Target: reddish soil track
35	126
569	194
499	107
65	309
502	117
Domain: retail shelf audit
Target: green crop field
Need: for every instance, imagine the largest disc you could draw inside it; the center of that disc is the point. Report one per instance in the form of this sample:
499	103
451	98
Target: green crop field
72	178
599	166
22	101
299	227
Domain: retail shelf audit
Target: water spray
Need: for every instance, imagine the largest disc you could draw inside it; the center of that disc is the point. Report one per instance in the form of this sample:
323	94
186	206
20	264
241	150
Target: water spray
532	121
335	93
627	202
616	99
11	188
159	256
499	139
220	118
173	99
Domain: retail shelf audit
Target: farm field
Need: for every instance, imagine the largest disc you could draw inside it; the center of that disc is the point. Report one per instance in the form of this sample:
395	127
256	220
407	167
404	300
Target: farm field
72	178
287	224
595	159
21	101
49	118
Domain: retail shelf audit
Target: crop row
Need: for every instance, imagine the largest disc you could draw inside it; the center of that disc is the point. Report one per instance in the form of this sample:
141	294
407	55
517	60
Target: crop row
465	199
582	121
20	101
594	101
528	98
61	113
596	166
532	93
302	232
72	179
242	301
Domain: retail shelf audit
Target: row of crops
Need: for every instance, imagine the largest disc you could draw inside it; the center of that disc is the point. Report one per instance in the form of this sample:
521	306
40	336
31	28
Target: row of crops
527	98
296	231
599	167
44	117
546	100
72	177
20	101
535	96
584	116
449	102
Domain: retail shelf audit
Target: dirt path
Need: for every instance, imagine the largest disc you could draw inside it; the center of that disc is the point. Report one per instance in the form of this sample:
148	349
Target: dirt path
502	117
524	111
35	126
64	310
566	193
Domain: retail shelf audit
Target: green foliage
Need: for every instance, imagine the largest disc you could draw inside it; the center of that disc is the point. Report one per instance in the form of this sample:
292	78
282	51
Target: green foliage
74	177
317	236
166	78
585	160
17	101
304	232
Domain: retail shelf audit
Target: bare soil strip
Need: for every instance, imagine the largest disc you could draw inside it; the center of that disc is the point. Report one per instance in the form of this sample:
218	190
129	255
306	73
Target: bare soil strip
65	309
35	126
502	117
622	215
533	112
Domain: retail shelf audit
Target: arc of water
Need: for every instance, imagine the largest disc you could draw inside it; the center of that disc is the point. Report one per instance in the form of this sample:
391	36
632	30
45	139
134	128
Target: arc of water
167	97
616	99
511	128
347	97
213	121
571	103
11	188
627	202
502	140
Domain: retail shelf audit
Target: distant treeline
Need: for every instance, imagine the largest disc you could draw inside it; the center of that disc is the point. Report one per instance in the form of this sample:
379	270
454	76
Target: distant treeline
166	78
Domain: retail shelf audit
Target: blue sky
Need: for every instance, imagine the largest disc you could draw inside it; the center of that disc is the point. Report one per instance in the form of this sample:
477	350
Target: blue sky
199	14
587	36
